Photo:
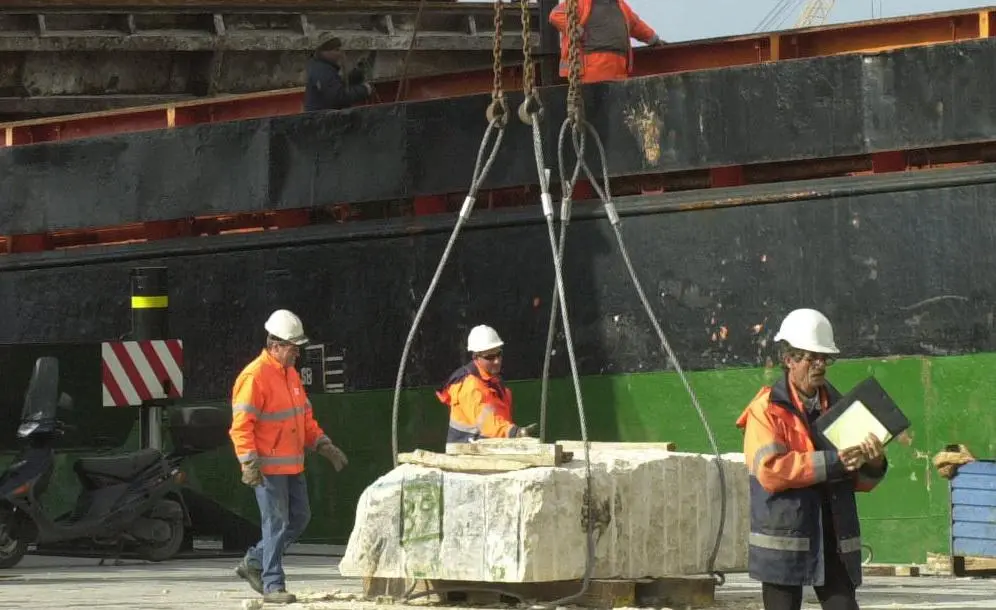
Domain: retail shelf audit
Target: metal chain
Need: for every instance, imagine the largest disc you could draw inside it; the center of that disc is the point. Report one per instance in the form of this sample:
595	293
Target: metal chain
497	109
528	70
531	108
574	104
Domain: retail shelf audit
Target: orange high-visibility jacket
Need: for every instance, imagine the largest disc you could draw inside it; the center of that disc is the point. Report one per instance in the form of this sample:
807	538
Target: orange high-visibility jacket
480	405
272	420
636	27
790	482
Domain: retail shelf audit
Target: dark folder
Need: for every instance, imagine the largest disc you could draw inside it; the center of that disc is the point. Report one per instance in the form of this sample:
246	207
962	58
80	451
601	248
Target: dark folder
867	408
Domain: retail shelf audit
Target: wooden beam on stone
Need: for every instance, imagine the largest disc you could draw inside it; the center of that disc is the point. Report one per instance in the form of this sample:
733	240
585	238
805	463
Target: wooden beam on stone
467	463
578	446
537	454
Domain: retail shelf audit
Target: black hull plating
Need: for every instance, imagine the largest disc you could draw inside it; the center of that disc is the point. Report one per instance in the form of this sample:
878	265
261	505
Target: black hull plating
902	265
793	110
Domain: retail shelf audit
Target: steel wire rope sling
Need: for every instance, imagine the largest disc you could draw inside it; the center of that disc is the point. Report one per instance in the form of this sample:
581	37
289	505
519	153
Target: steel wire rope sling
531	112
580	128
497	116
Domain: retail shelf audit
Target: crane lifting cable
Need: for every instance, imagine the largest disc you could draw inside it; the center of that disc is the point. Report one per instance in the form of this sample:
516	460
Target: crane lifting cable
580	129
497	116
530	112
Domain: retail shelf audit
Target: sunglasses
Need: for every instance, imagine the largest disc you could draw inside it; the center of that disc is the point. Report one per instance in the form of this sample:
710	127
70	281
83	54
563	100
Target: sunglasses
826	359
490	357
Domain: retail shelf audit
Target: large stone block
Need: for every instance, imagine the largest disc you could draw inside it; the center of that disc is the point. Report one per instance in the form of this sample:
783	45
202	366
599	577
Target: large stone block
656	514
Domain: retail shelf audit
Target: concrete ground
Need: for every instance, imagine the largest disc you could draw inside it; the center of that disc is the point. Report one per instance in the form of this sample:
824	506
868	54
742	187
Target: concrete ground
69	583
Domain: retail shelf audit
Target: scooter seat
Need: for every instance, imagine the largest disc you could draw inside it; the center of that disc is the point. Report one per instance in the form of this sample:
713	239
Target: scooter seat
120	466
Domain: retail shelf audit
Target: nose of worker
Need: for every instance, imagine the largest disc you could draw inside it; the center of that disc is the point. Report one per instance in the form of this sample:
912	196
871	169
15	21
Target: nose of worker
810	335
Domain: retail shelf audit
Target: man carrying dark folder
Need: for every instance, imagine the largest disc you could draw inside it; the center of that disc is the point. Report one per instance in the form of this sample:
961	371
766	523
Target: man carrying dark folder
804	516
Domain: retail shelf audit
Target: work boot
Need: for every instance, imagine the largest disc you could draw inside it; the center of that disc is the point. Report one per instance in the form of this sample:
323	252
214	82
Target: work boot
251	575
279	596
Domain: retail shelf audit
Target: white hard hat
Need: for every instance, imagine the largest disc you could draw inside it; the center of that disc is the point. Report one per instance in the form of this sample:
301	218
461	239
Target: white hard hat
284	325
809	330
483	338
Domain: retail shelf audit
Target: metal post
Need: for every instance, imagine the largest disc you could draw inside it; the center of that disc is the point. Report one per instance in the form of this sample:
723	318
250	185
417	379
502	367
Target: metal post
549	44
149	320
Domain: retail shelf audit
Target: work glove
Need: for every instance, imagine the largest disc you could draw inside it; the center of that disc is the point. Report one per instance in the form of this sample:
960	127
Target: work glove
332	453
529	430
251	475
656	41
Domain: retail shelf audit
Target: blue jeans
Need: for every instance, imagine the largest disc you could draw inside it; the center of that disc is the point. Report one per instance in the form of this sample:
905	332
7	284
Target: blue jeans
284	513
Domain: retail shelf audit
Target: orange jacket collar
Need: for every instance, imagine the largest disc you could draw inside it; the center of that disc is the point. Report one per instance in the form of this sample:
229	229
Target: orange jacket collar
784	394
269	360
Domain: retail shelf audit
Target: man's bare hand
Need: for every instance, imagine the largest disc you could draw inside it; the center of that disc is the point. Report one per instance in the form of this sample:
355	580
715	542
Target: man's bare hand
852	457
873	450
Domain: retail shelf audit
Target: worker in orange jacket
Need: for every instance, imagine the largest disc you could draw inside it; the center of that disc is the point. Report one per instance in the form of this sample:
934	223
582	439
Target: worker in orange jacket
480	403
272	424
607	26
804	527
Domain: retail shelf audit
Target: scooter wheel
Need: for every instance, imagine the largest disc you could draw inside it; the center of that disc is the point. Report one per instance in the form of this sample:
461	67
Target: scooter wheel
169	548
12	550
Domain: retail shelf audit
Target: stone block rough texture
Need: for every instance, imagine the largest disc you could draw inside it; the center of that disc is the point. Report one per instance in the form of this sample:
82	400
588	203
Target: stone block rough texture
656	514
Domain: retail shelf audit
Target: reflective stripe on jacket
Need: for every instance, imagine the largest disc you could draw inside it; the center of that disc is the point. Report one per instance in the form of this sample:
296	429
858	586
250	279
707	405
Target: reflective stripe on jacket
480	405
272	418
636	27
790	481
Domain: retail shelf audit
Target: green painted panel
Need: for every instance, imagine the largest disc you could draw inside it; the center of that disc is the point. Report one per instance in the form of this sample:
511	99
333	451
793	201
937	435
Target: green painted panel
948	400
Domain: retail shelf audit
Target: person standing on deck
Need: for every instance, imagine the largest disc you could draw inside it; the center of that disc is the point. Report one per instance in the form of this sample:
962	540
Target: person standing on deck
804	526
605	47
480	404
272	424
325	89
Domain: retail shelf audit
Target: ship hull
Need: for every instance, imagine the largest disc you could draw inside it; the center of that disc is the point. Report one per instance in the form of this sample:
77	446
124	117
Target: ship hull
903	266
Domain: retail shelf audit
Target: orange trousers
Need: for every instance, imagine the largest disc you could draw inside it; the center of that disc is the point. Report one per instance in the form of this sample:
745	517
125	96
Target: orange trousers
604	66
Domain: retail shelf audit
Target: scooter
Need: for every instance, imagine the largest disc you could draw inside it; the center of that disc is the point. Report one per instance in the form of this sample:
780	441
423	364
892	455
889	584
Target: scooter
131	500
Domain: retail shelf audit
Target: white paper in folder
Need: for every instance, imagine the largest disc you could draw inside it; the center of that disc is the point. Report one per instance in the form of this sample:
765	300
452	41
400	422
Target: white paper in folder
853	427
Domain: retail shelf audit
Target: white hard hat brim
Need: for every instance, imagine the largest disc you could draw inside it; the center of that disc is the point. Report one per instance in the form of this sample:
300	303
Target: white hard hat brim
809	347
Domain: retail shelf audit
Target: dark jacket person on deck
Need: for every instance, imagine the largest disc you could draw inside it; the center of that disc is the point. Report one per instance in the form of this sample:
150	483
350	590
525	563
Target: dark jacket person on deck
325	89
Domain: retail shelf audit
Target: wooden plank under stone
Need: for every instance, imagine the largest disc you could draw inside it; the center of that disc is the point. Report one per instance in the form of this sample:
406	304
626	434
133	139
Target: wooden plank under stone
600	593
676	592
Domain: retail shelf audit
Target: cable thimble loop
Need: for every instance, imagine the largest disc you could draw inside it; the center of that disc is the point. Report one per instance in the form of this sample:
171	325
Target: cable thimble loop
497	111
531	109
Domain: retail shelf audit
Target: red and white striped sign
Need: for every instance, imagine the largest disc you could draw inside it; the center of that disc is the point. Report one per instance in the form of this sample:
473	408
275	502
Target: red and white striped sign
134	371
